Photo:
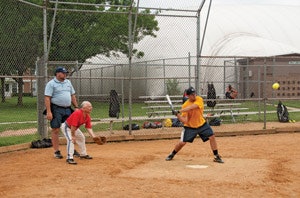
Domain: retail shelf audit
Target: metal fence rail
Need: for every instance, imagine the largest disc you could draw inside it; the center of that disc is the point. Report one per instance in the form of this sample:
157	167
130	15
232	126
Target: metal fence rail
105	48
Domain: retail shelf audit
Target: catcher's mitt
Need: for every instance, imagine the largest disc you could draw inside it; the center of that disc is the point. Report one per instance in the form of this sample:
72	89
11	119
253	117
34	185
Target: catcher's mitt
99	140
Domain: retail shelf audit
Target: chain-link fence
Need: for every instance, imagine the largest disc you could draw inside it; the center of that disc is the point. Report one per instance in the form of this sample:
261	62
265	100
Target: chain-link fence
111	48
252	76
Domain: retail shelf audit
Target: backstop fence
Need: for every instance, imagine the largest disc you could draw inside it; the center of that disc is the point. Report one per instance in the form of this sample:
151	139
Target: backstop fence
140	53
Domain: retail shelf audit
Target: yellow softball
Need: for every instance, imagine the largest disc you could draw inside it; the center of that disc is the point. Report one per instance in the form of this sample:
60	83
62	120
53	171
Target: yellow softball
275	86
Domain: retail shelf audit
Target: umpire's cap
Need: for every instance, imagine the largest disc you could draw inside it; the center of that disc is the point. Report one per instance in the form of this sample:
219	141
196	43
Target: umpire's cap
61	69
190	91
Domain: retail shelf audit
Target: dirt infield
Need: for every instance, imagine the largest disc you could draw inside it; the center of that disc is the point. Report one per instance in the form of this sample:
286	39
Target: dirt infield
255	166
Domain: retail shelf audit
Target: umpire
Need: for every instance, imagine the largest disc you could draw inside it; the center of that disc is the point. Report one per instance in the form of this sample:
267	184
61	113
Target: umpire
191	115
59	95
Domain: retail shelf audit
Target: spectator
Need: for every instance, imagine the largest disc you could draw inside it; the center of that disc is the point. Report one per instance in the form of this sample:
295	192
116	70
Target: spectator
231	93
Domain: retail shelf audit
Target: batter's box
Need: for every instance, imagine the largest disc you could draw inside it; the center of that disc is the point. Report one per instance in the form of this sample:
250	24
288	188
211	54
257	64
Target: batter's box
237	170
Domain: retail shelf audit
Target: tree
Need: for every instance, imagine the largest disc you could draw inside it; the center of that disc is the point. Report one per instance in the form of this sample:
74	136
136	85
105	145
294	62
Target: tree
20	29
76	35
81	35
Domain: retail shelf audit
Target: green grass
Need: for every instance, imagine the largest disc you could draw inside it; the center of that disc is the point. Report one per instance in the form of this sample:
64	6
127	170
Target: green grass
255	106
17	126
12	140
101	109
292	103
10	112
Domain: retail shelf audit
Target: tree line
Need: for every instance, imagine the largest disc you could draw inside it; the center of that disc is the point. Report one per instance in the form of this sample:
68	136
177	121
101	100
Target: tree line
80	31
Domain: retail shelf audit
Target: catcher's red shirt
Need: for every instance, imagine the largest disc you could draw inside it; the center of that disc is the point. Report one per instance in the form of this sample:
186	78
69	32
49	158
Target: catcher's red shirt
77	119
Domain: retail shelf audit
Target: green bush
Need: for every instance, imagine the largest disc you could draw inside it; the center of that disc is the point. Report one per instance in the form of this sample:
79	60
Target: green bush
173	87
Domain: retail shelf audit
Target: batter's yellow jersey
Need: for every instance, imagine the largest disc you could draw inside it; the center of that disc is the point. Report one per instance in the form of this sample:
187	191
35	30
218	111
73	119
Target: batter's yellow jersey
195	117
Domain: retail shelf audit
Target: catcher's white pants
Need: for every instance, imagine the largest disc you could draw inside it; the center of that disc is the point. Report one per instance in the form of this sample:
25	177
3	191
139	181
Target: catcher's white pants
80	141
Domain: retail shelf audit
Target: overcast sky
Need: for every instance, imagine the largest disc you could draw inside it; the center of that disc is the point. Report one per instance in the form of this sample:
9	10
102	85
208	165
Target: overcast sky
179	4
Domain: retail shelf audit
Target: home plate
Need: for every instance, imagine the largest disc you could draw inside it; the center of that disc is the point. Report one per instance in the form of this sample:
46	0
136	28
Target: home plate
197	166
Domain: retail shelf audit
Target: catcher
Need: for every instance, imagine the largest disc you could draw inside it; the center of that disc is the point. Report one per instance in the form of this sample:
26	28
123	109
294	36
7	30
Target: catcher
73	134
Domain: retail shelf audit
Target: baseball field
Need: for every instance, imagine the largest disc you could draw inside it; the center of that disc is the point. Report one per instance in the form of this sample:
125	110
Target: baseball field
255	166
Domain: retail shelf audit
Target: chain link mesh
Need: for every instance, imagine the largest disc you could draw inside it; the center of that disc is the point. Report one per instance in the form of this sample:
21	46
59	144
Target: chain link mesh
92	43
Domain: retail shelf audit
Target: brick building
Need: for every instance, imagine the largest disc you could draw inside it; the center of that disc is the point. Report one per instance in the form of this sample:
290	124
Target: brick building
258	74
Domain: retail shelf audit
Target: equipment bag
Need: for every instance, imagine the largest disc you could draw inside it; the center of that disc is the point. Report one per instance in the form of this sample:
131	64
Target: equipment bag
44	143
215	122
282	113
133	127
211	94
114	104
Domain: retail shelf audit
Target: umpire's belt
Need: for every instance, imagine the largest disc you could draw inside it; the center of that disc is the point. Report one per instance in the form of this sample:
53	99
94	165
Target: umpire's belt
54	105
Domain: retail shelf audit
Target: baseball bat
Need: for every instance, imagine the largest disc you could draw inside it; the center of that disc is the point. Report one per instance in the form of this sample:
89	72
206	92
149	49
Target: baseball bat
169	101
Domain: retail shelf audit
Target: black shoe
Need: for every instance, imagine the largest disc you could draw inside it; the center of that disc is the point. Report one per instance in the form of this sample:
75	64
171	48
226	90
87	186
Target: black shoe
170	157
58	155
218	159
85	157
71	161
76	154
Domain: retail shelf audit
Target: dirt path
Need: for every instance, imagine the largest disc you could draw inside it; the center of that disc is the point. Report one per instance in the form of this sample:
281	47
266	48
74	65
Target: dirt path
255	166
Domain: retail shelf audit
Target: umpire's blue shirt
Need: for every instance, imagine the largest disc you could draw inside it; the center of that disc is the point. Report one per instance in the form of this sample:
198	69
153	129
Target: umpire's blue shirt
60	92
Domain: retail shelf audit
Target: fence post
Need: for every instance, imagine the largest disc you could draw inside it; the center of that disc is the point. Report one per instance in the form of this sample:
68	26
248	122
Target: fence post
265	93
130	45
42	121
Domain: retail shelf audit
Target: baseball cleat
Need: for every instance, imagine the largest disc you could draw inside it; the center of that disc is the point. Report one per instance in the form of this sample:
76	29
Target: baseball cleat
218	159
85	157
170	157
76	154
58	155
71	161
